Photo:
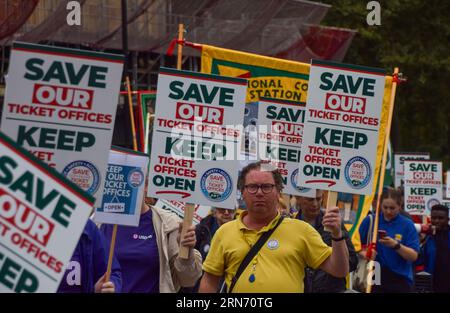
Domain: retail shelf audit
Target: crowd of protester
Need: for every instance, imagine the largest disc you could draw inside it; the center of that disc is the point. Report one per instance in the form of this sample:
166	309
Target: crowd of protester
270	246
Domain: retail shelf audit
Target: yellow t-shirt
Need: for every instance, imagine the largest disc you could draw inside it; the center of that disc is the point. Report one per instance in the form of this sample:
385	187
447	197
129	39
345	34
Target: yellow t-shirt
279	265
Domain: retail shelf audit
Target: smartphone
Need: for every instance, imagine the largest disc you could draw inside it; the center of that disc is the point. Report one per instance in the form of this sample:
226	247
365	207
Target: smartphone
381	234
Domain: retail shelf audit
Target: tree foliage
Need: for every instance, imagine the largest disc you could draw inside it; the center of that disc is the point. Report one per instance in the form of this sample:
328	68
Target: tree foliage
414	35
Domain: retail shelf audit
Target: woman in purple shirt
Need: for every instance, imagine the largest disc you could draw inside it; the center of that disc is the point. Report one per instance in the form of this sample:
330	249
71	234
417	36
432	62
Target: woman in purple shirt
87	267
148	254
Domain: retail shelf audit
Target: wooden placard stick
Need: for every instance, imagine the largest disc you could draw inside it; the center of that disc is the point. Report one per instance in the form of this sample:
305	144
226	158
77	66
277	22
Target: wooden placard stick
331	202
347	210
189	211
111	253
180	46
130	107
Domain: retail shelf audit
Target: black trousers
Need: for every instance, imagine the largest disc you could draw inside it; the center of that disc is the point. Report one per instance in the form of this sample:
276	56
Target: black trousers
392	283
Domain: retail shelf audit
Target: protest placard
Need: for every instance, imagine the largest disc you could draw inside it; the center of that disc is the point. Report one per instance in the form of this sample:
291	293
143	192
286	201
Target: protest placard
60	104
423	186
42	216
341	127
200	211
446	202
197	129
280	133
399	159
124	188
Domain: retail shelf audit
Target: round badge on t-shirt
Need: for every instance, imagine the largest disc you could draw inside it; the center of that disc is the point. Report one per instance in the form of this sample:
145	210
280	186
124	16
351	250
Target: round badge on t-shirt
273	244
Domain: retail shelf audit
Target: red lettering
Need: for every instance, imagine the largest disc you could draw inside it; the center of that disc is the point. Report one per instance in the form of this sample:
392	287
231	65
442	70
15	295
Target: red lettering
285	128
345	103
63	96
199	113
24	218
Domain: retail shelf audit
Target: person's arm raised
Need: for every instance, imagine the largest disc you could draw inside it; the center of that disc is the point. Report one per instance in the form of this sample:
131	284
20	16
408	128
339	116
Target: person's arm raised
337	263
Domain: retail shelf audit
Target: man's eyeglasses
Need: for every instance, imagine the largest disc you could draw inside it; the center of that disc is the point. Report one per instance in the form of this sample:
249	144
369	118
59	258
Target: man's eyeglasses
253	188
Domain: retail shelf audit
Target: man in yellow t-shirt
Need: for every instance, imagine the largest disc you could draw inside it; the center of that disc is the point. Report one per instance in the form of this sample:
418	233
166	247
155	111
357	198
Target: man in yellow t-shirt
279	265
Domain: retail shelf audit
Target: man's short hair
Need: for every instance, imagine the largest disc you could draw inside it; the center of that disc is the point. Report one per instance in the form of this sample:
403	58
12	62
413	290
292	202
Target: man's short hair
440	207
263	166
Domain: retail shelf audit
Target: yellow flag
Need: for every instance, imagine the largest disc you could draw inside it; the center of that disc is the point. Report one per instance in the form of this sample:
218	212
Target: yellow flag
365	202
267	77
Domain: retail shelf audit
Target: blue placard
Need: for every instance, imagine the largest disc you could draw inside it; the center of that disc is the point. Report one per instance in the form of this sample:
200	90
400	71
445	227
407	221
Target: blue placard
121	189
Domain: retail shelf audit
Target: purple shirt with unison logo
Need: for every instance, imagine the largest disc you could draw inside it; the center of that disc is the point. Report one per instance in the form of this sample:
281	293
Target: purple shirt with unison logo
72	280
137	252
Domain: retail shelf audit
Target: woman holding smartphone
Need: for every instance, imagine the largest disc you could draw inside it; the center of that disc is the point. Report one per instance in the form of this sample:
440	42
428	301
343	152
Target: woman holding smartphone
397	246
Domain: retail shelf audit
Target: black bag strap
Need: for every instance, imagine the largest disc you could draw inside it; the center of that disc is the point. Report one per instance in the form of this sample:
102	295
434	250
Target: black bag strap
251	254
